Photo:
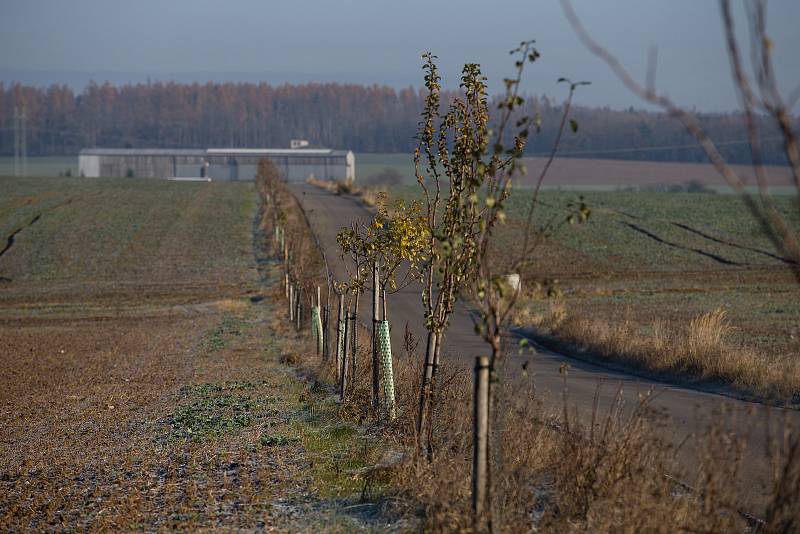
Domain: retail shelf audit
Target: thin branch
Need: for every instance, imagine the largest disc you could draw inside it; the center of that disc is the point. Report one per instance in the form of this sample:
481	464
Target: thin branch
529	220
692	124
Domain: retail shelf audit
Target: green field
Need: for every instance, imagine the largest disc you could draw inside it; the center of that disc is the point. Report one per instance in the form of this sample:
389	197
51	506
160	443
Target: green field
671	256
111	229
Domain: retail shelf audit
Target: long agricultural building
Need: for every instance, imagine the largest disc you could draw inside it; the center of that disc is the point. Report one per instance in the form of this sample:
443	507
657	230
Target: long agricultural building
237	164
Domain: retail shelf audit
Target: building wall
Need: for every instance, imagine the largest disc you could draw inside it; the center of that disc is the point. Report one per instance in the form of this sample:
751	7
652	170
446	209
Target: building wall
340	166
89	166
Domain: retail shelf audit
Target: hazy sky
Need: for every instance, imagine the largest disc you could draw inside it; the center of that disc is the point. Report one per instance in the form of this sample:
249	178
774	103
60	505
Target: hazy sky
379	41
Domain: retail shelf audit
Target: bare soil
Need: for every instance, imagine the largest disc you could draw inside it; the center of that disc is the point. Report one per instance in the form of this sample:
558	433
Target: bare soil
142	386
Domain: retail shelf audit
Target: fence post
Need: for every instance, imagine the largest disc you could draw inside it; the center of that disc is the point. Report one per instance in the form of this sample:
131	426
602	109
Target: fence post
286	267
313	325
299	310
291	300
480	442
318	322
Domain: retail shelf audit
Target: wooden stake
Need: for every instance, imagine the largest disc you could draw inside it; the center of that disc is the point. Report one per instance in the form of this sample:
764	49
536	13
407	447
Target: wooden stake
291	301
299	310
480	443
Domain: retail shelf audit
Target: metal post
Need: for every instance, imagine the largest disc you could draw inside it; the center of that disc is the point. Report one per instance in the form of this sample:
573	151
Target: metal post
480	442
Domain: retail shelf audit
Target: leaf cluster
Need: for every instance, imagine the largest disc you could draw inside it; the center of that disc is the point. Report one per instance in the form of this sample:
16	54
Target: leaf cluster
392	238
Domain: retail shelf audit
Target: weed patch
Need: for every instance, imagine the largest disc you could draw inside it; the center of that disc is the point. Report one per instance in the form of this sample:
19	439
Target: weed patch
217	409
219	337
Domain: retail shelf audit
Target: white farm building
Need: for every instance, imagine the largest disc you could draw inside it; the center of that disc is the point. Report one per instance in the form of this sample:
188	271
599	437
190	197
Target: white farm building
296	164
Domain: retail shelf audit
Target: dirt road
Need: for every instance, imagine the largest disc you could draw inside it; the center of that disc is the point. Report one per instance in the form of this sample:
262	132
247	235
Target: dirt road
691	414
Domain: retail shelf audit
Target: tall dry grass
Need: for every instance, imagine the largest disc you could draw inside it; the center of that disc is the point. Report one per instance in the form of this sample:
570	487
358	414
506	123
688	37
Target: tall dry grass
367	194
556	474
704	349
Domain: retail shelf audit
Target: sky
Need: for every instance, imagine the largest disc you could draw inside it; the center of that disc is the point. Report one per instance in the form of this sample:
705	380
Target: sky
380	41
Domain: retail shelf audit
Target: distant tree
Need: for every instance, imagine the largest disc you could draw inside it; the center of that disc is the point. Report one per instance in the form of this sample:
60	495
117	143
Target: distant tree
362	118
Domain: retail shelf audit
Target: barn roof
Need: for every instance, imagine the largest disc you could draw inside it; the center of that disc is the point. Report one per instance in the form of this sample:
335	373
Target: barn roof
142	152
272	152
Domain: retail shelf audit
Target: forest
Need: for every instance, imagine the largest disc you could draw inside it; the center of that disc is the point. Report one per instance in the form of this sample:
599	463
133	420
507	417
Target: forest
61	121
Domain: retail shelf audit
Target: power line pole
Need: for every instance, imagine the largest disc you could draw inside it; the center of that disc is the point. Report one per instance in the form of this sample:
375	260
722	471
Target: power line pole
20	142
24	147
16	142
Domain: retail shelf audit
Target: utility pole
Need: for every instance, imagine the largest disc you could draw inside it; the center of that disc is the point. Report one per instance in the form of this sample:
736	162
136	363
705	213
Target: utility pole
20	143
16	142
24	144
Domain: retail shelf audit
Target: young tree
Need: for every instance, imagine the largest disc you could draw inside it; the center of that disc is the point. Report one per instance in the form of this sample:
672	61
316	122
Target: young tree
271	188
497	275
465	173
451	186
391	244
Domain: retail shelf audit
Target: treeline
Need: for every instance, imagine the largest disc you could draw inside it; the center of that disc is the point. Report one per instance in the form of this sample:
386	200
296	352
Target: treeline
361	118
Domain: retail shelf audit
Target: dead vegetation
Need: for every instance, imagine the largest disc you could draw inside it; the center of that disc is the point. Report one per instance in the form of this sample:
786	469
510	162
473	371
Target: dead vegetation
367	194
159	401
557	473
703	349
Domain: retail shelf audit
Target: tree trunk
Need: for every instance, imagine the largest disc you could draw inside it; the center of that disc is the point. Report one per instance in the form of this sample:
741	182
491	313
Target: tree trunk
339	337
376	292
424	395
433	393
354	335
494	451
345	354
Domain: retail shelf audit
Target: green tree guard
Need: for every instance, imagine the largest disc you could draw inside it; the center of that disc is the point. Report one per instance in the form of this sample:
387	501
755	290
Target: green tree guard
388	371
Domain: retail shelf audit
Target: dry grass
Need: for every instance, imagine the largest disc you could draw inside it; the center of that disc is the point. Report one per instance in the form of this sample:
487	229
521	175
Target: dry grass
704	349
555	474
369	195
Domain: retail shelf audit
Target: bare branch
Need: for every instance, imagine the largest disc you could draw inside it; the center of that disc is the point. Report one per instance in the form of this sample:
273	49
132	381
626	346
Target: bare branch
652	67
776	231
